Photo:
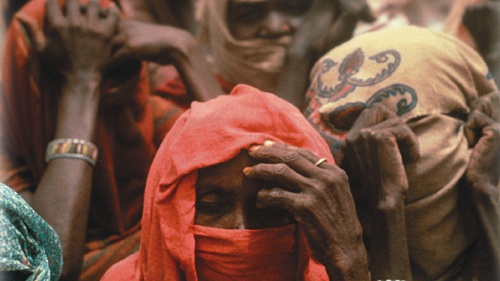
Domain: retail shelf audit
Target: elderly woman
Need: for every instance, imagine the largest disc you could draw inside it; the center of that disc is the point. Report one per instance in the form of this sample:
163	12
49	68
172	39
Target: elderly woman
80	125
394	107
227	199
272	44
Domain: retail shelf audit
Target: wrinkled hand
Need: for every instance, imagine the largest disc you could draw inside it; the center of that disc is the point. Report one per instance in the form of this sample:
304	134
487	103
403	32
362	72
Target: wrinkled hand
319	199
483	172
78	39
483	133
376	148
151	42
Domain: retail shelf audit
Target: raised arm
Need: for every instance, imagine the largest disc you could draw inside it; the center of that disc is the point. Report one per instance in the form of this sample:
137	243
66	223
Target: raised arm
327	24
78	45
483	173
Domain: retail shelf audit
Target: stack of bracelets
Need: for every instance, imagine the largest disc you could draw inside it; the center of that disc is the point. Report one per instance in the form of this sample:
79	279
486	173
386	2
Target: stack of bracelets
72	148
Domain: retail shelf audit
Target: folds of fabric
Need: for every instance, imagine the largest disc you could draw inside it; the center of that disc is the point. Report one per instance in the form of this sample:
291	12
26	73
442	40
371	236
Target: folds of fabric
240	61
207	134
429	79
223	254
28	245
131	124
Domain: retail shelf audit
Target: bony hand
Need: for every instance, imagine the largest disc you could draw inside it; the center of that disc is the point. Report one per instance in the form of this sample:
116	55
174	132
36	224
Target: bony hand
376	149
317	194
483	133
151	42
78	39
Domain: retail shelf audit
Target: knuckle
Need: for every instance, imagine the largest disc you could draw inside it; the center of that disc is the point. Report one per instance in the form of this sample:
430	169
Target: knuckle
290	156
306	153
366	134
75	25
264	152
274	193
335	177
279	169
306	204
383	136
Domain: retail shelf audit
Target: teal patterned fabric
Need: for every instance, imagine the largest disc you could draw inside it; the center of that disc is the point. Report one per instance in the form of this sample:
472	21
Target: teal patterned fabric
27	243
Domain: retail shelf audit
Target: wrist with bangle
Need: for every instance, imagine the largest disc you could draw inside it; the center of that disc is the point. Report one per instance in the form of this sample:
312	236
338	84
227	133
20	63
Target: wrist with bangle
72	148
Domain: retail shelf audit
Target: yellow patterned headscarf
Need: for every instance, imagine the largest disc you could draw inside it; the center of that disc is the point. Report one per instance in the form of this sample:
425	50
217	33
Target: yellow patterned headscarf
429	79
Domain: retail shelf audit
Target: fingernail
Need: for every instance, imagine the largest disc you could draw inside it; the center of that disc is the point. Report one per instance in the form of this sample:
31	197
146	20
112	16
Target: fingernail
254	147
269	143
246	170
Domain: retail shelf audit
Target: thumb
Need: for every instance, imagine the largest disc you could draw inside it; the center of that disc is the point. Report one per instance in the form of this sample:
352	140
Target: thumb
34	31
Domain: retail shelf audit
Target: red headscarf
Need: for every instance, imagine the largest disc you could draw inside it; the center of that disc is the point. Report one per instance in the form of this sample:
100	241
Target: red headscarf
207	134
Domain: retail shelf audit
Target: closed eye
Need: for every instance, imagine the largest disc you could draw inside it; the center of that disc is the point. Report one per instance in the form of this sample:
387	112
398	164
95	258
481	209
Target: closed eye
212	203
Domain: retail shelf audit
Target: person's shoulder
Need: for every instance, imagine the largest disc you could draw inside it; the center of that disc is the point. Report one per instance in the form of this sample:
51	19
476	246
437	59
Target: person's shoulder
34	9
127	269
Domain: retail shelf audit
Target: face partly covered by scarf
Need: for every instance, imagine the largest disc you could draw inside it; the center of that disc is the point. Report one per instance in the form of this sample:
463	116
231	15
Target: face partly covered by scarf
429	80
255	62
210	133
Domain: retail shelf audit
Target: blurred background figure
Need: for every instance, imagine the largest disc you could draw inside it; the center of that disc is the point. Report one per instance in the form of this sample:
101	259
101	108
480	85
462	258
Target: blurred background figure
272	44
483	21
441	15
178	13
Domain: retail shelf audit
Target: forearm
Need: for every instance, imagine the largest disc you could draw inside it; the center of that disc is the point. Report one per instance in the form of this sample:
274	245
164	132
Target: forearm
63	194
196	73
389	255
353	268
294	77
487	205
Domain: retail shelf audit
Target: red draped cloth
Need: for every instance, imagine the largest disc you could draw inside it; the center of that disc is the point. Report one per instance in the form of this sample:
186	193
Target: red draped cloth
130	126
207	134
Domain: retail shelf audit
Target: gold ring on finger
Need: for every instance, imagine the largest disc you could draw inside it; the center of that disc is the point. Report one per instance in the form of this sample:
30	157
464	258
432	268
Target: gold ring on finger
320	161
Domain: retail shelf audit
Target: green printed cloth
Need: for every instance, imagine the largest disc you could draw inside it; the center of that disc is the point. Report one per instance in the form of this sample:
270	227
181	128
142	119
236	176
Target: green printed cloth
28	244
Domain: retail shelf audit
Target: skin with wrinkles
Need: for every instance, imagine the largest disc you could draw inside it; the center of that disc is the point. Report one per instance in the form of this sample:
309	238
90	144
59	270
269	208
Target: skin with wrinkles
276	184
389	140
82	43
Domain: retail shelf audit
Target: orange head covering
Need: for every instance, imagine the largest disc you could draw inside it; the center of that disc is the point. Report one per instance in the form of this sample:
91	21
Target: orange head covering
207	134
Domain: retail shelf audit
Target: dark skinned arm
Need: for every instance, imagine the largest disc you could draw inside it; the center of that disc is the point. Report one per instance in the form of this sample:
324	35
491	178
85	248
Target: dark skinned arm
483	22
168	45
78	45
319	199
483	171
383	183
327	24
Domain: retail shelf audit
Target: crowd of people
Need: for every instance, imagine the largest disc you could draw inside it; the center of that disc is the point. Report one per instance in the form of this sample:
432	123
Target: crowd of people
247	140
